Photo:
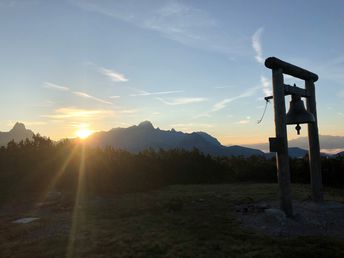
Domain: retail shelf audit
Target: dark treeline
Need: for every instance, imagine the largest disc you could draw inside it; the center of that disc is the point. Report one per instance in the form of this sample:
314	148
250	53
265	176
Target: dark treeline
39	164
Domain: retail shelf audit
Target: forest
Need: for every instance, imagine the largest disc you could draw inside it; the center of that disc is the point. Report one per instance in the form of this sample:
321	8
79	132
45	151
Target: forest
38	165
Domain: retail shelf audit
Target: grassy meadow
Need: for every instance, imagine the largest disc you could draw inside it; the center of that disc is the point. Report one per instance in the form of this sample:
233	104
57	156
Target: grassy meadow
175	221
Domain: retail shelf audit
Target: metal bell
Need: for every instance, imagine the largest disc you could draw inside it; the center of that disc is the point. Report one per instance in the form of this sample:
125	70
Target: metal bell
297	113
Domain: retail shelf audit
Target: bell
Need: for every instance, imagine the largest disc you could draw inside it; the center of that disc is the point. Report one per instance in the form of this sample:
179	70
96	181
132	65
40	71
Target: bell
297	113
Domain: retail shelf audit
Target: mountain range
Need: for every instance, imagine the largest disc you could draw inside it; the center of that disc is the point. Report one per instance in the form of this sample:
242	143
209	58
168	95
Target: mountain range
142	136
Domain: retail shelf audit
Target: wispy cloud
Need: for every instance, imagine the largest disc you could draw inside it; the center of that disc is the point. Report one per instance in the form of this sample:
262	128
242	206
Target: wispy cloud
127	111
80	114
27	123
72	112
190	127
266	85
225	102
247	120
54	86
257	45
114	97
146	93
174	20
181	101
50	85
112	75
85	95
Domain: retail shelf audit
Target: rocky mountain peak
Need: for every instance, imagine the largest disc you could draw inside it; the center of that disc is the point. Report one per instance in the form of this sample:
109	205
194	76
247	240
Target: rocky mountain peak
18	127
146	124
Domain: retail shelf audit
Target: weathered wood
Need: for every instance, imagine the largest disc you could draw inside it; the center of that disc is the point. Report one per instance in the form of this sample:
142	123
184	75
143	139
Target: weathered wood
288	90
314	146
293	70
282	158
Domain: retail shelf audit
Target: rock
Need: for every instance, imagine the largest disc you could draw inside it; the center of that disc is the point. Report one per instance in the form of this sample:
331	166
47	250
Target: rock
25	220
275	216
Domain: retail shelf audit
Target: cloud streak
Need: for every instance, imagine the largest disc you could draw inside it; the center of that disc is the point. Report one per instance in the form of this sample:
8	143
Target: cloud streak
81	94
182	101
87	96
245	121
266	86
257	45
191	126
112	75
174	20
77	113
146	93
50	85
225	102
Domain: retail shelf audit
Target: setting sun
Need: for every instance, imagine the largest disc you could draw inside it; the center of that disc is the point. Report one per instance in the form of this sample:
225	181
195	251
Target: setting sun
83	133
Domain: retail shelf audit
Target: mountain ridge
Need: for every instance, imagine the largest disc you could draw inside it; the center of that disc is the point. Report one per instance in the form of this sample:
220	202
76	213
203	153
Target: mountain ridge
139	137
136	138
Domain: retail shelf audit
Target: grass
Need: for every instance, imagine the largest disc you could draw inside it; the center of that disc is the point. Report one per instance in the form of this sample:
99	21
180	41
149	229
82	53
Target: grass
178	221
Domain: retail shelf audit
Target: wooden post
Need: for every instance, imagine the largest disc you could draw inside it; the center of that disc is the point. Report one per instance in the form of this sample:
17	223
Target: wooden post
282	157
314	146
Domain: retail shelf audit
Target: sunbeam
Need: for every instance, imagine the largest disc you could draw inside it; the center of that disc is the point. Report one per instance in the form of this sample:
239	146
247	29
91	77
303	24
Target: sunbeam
51	186
77	215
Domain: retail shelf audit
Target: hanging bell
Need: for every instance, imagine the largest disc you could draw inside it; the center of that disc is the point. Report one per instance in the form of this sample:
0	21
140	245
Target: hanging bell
297	113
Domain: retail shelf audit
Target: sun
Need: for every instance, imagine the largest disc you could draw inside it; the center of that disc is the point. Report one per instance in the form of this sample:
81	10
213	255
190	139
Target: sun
83	133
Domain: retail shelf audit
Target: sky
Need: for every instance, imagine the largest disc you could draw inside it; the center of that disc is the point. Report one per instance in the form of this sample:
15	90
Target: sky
188	65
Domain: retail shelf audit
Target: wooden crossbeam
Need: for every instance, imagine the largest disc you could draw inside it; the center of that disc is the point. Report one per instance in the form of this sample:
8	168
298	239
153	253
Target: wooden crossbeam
288	90
293	70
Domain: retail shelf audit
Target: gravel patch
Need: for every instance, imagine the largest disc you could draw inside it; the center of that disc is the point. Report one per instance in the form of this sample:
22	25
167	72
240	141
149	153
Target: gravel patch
310	219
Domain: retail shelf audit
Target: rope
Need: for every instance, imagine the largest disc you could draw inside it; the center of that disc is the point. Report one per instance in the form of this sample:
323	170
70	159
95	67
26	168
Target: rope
266	105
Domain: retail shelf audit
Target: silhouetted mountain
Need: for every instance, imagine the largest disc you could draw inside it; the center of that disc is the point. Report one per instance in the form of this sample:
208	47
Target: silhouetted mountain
17	133
209	138
340	154
144	135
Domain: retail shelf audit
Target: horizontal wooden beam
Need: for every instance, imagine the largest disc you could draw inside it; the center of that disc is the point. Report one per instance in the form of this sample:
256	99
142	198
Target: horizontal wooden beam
293	70
288	90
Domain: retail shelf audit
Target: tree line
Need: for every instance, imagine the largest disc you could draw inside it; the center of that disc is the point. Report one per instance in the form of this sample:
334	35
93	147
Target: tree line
38	164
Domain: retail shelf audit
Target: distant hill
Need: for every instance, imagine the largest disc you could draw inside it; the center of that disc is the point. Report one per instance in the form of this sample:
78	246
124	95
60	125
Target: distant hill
144	135
17	133
340	154
328	143
294	152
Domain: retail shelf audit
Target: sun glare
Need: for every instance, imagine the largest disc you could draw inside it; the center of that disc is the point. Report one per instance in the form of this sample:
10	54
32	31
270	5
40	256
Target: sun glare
83	133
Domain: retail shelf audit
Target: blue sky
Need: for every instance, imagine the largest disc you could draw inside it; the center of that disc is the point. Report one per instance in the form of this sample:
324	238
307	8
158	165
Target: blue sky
190	65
